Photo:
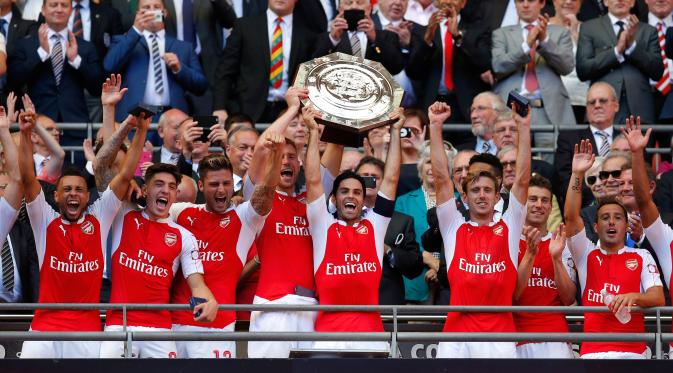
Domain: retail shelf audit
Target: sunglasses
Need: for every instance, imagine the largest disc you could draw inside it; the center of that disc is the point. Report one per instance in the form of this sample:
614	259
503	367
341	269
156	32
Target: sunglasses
591	180
604	175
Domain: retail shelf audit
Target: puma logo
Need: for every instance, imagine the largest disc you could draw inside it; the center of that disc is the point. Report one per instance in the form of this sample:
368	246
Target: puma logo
191	220
62	229
138	224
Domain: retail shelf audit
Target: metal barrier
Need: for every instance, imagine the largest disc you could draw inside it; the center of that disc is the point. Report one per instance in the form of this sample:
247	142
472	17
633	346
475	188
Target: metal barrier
658	337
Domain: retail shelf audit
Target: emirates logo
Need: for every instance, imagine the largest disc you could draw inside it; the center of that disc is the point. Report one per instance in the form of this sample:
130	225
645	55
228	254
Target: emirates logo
170	239
632	264
88	227
225	222
362	229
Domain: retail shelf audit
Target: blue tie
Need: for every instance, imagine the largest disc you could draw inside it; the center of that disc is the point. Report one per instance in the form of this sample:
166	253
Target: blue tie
3	28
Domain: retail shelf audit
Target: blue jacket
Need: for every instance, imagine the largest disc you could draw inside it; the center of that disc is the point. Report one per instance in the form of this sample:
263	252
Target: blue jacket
129	55
413	204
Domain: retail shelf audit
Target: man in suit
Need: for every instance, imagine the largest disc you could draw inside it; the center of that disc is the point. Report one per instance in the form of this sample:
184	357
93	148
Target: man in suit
57	66
316	14
620	50
157	68
602	106
168	126
530	57
500	13
96	23
664	193
448	59
402	256
250	78
364	41
485	108
12	25
591	9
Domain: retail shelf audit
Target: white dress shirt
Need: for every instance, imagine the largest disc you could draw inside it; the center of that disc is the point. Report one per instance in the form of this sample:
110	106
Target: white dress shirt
63	39
480	146
668	22
278	94
511	17
8	19
169	157
329	12
151	97
85	13
629	48
238	182
10	295
31	10
38	160
526	50
598	138
416	13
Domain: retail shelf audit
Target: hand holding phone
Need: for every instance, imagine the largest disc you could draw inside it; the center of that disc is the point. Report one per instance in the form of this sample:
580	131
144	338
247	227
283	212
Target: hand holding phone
353	16
521	103
205	122
195	301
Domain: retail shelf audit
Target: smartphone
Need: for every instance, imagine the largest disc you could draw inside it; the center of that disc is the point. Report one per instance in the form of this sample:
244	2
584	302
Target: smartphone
149	111
205	122
522	103
145	157
353	16
158	16
370	181
195	301
405	132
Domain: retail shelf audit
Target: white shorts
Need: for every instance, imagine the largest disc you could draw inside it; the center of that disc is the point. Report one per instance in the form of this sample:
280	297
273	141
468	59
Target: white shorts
545	350
60	349
614	355
481	350
205	349
295	321
351	345
141	349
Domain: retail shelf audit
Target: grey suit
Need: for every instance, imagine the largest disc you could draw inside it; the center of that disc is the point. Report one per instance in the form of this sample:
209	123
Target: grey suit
596	61
553	59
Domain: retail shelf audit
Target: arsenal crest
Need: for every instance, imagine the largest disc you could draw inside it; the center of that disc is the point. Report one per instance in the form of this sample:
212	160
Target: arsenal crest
170	239
362	229
225	222
632	264
498	230
88	227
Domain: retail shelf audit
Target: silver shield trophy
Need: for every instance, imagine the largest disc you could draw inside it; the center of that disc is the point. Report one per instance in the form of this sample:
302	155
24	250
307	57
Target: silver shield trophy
354	95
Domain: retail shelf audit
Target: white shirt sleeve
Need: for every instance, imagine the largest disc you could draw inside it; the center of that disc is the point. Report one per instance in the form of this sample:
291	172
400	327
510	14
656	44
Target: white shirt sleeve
118	225
177	208
649	274
8	216
327	180
580	246
105	209
569	264
660	236
252	224
189	264
40	215
450	219
514	217
319	221
380	224
248	188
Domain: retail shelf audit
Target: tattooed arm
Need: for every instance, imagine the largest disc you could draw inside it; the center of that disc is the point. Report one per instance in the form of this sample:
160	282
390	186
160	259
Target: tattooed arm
262	198
583	159
103	171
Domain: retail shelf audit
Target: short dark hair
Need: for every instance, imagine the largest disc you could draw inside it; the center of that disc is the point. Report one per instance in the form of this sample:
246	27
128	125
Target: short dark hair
237	118
610	200
348	174
372	161
489	159
417	113
214	162
473	177
160	168
537	180
71	171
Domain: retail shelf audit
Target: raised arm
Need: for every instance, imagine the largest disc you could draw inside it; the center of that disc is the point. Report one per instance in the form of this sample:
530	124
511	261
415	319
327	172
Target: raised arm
13	191
391	173
262	197
31	187
438	113
641	184
523	157
106	155
110	96
54	165
525	267
314	188
583	158
120	183
565	286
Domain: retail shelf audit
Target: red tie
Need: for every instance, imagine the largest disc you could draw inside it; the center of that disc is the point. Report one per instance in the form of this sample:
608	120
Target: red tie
530	78
448	59
664	84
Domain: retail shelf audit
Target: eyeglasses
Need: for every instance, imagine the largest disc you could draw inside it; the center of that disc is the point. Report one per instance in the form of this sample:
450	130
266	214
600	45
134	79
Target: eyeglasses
601	101
508	164
604	175
459	170
591	180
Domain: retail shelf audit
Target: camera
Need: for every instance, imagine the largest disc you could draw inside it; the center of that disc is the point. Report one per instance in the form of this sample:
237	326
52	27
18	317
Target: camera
158	16
405	132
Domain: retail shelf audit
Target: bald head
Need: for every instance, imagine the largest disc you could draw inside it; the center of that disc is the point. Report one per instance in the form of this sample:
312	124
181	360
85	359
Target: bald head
168	129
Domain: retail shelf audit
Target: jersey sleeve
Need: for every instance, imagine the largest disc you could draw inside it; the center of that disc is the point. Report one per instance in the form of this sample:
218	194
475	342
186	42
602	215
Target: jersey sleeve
580	246
649	274
105	209
187	262
252	225
380	218
177	208
514	217
327	180
118	226
569	264
660	236
40	215
450	219
248	188
8	216
319	221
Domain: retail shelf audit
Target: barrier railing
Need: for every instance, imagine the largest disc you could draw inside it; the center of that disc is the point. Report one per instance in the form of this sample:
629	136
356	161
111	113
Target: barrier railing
658	338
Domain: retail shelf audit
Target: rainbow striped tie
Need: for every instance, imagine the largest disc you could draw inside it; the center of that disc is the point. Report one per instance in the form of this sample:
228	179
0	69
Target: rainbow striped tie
276	72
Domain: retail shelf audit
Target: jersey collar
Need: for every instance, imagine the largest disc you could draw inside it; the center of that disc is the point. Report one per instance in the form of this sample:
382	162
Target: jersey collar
79	221
164	220
605	252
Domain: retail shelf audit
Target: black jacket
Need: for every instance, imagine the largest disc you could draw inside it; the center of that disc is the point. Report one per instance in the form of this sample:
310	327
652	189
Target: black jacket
406	256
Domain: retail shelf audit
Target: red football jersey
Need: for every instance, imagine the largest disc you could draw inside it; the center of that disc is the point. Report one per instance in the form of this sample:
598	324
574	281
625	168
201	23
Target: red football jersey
481	262
347	262
146	255
70	256
627	271
223	243
541	290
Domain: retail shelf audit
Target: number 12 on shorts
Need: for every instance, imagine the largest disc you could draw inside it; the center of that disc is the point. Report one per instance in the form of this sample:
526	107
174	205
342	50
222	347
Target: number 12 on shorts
226	354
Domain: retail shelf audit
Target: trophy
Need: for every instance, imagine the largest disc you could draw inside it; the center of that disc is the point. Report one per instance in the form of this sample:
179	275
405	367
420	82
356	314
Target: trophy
354	95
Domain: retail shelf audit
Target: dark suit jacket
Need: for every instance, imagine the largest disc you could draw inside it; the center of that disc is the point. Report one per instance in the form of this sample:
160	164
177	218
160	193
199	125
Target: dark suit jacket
63	103
493	11
590	10
663	194
408	261
312	15
18	29
470	59
385	49
242	77
596	61
23	245
130	56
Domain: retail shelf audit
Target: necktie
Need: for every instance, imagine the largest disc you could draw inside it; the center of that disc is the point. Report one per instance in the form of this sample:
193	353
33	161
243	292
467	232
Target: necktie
530	78
664	84
619	24
605	144
156	65
57	58
174	158
448	59
77	20
188	23
276	72
355	45
3	23
7	267
486	147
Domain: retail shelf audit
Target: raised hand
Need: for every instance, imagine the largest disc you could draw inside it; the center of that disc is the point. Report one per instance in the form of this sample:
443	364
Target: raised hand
27	121
309	114
88	150
533	238
4	119
438	113
43	37
172	61
71	50
337	26
11	104
399	115
583	157
543	21
294	95
112	91
274	141
366	25
522	122
634	135
558	242
28	104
